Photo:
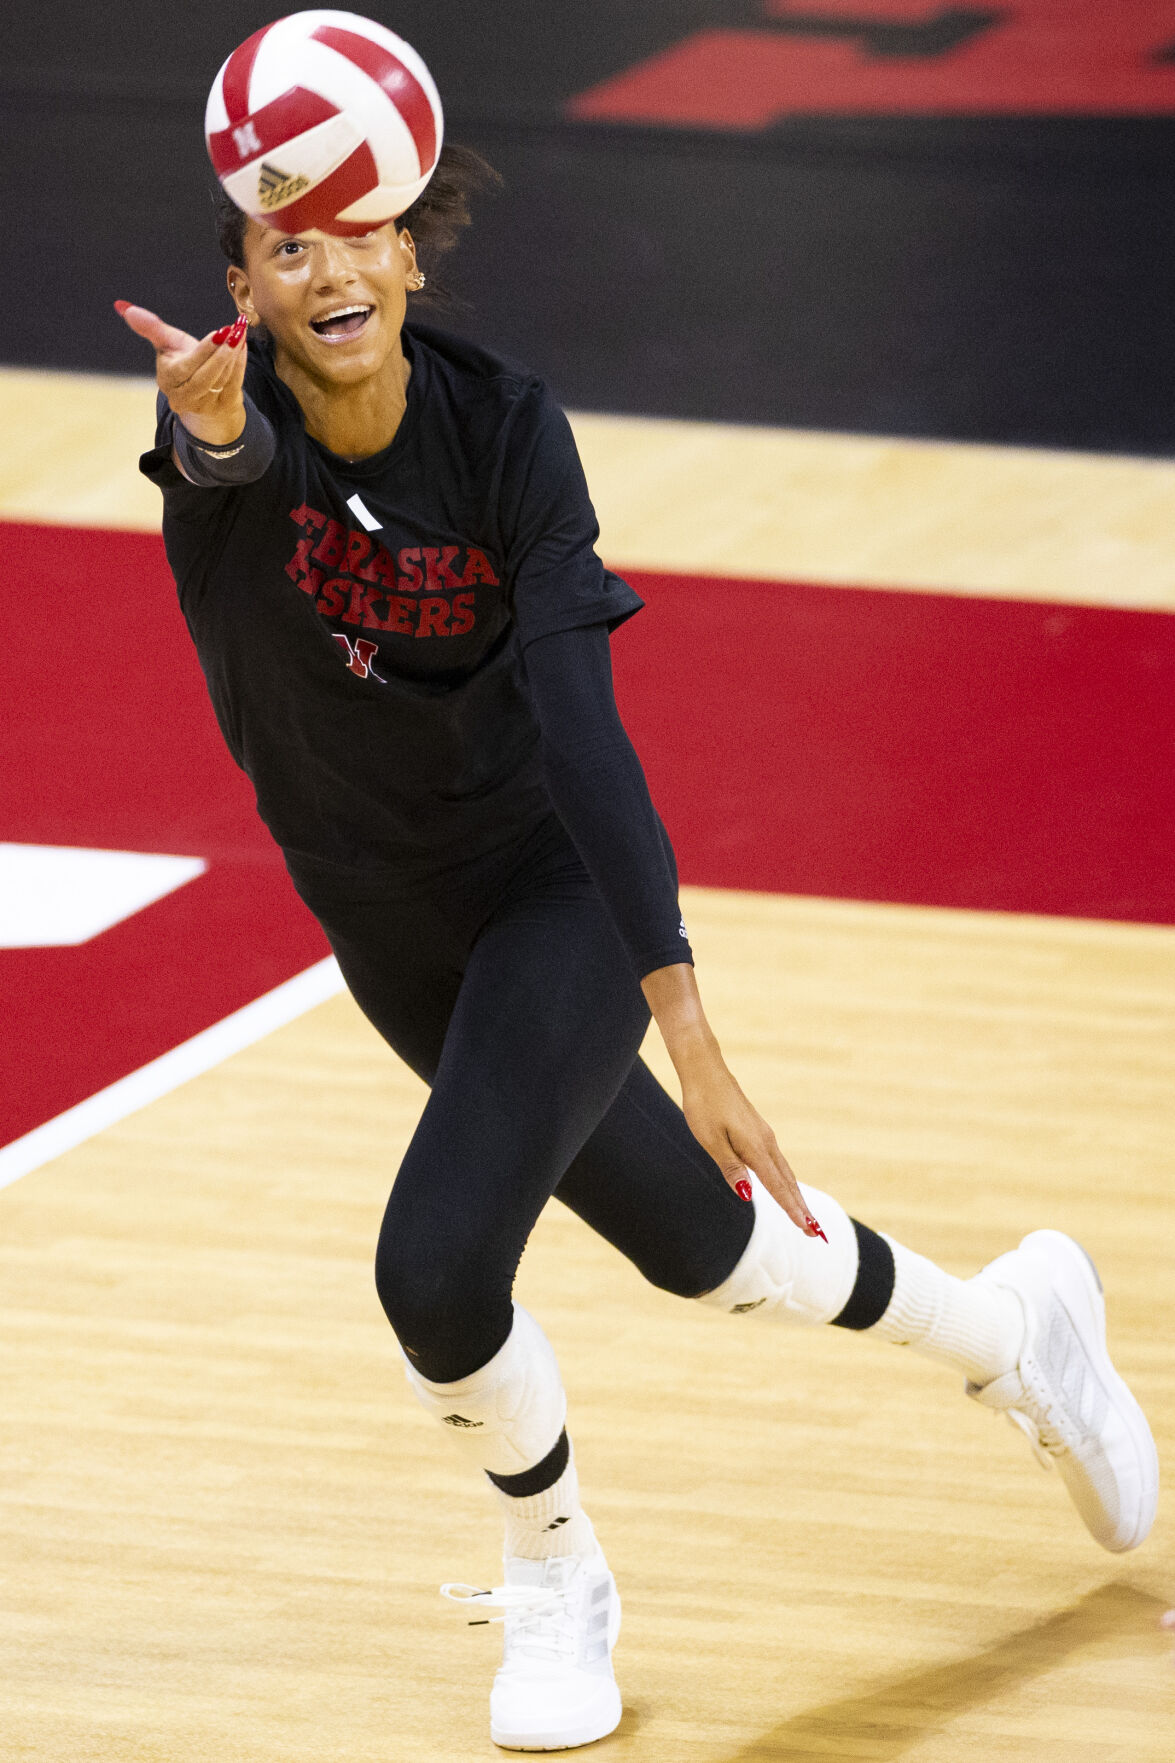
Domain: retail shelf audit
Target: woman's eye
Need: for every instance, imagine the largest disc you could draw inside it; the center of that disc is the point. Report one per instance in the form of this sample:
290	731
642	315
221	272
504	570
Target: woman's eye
288	248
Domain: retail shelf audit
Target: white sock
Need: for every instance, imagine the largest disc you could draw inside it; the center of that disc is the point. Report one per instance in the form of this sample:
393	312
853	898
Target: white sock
977	1328
549	1523
508	1418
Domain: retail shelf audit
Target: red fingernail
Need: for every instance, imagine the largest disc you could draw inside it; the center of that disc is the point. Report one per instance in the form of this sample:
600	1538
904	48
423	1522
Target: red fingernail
743	1189
122	306
815	1229
220	335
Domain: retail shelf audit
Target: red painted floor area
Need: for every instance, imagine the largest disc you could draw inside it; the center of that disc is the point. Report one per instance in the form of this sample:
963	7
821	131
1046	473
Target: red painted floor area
109	741
885	746
931	749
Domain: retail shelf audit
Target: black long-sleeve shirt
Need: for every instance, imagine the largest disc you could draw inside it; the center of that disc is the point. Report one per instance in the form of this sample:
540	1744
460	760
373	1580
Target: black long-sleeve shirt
408	654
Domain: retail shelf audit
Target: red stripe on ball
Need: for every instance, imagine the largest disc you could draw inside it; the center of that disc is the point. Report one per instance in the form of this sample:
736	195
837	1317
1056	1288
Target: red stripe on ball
398	82
238	70
272	126
318	208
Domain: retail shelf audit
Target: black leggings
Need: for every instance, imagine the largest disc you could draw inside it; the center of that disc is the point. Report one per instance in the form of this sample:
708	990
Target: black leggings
506	987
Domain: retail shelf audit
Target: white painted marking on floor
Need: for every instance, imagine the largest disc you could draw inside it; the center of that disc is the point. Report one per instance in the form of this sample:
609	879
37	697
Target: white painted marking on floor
56	896
362	512
170	1070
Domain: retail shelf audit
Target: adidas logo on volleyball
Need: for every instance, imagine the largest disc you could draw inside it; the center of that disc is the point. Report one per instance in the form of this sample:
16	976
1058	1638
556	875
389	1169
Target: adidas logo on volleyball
460	1420
275	188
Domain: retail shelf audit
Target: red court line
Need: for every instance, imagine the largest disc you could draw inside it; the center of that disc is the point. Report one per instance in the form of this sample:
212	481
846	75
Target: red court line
873	745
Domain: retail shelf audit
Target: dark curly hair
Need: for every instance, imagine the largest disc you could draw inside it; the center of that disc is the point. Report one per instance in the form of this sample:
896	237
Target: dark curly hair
436	219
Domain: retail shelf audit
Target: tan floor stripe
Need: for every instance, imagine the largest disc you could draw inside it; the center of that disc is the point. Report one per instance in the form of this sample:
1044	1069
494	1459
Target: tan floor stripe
716	499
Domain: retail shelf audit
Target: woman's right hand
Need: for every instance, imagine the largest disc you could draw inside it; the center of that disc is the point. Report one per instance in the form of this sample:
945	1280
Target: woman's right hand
201	378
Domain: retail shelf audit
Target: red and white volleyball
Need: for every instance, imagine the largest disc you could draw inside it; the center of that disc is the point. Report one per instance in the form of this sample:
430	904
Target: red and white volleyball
324	120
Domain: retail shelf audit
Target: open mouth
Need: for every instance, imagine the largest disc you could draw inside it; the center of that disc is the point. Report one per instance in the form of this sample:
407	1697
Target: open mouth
341	324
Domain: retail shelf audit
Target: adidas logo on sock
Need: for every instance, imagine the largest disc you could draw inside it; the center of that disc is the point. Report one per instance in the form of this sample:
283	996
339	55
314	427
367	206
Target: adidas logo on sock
460	1420
554	1525
741	1309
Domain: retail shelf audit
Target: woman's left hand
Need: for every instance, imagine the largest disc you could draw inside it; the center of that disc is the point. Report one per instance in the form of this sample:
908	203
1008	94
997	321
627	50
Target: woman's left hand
735	1134
719	1115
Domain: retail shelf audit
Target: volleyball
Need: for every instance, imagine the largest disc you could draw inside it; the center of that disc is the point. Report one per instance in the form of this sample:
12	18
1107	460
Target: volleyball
324	120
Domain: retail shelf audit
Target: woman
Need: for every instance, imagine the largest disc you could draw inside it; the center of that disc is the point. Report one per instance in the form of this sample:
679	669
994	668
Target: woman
383	545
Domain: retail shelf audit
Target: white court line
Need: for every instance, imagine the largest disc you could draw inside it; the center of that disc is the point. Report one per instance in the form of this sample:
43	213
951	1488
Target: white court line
170	1070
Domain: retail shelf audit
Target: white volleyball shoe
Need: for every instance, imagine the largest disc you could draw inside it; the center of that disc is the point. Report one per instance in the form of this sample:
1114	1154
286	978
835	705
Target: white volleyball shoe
1065	1394
555	1688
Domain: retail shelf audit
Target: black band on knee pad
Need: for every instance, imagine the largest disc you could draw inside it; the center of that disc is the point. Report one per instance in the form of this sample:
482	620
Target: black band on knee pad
544	1475
870	1296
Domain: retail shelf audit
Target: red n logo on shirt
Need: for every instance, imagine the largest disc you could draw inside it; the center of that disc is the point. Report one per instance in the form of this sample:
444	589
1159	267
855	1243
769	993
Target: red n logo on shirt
360	655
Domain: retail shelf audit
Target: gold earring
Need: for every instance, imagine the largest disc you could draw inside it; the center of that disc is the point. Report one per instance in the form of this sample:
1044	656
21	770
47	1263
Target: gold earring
418	281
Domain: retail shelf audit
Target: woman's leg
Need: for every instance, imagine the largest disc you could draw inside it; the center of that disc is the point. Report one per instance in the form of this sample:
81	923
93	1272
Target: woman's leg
1027	1332
545	1026
525	1039
525	1029
546	1023
643	1182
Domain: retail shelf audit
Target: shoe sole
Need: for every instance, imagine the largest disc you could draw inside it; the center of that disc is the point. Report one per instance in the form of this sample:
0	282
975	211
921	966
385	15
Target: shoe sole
1088	1317
568	1739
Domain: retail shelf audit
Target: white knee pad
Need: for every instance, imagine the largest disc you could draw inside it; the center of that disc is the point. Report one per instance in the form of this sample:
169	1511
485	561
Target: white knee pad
798	1278
507	1416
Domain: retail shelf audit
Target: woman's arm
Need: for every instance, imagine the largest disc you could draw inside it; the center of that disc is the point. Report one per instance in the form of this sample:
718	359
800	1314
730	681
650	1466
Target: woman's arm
598	788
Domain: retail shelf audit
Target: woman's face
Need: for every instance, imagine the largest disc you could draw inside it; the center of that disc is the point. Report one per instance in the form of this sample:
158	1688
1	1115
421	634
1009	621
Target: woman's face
334	306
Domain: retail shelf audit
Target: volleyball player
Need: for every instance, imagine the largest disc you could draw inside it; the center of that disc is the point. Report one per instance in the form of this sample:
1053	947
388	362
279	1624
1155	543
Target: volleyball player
384	550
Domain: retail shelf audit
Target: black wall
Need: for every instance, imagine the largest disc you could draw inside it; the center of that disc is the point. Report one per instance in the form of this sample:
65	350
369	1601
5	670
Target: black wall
997	279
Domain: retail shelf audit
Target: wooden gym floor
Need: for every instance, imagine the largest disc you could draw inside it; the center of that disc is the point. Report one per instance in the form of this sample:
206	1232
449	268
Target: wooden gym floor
223	1520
